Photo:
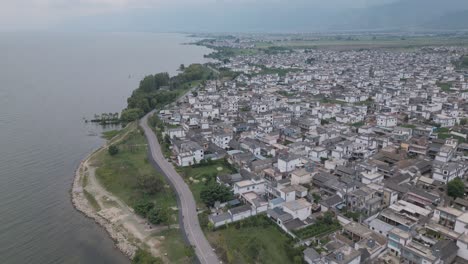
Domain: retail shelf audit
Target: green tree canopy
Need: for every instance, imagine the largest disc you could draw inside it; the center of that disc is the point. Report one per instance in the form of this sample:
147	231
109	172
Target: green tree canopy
154	82
456	188
149	94
131	114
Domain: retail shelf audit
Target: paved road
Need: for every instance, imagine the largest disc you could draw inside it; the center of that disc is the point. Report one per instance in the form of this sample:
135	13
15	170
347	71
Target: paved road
187	203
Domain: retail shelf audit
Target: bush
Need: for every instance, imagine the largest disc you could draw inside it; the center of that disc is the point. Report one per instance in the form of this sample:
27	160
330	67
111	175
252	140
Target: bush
159	215
143	207
113	150
214	192
144	257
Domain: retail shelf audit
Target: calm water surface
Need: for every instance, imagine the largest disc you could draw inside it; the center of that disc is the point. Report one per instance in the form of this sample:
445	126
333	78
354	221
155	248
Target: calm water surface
48	84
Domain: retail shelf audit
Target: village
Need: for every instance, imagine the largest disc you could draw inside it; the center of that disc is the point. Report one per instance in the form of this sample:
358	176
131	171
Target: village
349	152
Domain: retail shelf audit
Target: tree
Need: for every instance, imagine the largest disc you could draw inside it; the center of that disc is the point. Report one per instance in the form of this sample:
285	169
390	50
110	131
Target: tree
159	215
182	67
456	188
113	150
131	114
213	192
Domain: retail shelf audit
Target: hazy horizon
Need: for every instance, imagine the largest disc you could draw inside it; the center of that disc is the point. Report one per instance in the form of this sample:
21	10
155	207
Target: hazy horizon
232	16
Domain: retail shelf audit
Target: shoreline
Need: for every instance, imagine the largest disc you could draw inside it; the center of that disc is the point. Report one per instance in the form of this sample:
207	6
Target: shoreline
128	230
82	205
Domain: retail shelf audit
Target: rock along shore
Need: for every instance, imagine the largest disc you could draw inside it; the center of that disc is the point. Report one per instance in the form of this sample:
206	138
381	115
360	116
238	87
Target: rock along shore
81	203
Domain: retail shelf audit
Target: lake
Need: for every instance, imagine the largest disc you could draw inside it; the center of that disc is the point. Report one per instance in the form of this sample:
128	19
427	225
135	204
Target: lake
50	82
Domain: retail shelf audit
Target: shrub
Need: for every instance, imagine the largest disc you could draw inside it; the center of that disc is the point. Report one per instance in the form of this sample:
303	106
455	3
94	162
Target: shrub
113	150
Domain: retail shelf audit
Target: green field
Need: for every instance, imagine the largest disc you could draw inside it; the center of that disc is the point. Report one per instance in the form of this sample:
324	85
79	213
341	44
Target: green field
258	242
119	174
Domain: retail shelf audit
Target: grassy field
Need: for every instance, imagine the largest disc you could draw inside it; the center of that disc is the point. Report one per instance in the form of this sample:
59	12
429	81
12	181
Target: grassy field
263	243
119	173
198	175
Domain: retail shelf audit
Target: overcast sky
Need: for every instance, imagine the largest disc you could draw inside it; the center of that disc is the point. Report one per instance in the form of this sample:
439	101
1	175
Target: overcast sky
45	14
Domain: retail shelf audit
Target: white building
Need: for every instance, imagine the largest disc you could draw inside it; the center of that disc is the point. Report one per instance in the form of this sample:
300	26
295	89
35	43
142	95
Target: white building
445	121
371	177
386	121
301	176
288	162
189	153
222	140
397	238
253	185
176	132
300	209
447	171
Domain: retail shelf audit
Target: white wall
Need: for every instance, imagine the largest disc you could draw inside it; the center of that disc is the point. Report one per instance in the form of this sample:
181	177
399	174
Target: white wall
462	249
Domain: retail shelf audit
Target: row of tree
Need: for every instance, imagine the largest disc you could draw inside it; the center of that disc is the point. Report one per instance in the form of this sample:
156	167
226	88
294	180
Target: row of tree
160	89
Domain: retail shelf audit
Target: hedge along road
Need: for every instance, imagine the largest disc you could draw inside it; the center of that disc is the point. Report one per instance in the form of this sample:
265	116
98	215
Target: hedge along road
186	202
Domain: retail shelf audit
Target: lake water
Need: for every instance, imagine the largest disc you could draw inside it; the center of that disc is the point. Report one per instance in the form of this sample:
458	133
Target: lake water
48	84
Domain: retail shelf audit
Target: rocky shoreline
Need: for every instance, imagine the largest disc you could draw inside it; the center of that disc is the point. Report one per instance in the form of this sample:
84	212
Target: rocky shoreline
81	203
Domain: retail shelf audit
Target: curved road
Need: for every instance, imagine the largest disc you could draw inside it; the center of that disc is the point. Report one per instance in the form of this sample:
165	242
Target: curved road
187	203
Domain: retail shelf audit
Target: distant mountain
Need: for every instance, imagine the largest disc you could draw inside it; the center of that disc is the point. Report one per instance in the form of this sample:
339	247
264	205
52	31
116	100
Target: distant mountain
403	14
454	21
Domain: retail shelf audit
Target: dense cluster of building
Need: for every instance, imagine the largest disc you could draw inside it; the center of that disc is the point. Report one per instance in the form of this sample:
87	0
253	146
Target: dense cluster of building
372	136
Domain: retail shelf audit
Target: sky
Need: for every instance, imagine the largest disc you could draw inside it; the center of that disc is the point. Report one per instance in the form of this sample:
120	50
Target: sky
18	15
